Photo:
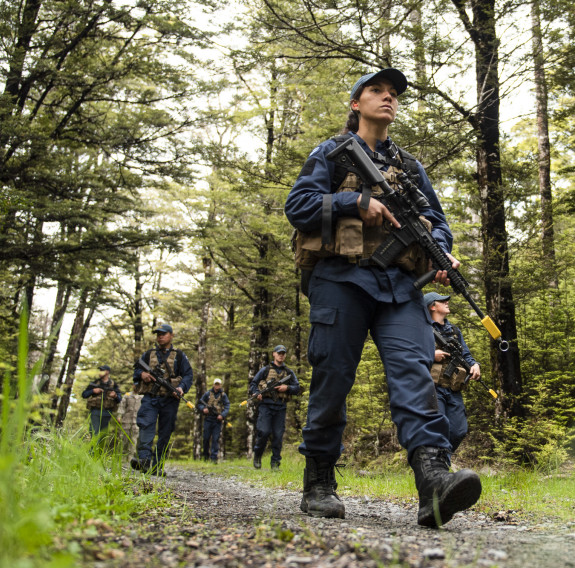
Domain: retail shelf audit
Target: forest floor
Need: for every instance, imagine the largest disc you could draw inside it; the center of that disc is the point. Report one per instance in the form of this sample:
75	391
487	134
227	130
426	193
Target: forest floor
222	522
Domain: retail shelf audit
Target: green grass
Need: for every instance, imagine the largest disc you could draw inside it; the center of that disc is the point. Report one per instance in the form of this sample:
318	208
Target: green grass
532	495
527	494
54	486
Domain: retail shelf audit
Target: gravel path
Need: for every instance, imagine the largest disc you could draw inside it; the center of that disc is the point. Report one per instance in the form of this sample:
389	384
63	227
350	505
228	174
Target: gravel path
224	522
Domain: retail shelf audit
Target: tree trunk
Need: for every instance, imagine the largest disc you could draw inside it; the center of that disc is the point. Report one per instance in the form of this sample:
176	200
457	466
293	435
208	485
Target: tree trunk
261	333
498	292
138	309
417	35
60	307
77	337
201	364
544	151
228	355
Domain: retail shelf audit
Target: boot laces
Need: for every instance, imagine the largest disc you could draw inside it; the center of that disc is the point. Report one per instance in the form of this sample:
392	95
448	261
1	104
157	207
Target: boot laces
325	476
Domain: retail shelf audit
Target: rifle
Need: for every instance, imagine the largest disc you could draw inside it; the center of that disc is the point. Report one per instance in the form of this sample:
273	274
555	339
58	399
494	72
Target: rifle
455	350
97	386
269	388
158	376
405	208
212	409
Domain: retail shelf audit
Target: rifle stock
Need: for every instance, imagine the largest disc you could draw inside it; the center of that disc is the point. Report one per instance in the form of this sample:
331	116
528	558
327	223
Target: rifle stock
405	208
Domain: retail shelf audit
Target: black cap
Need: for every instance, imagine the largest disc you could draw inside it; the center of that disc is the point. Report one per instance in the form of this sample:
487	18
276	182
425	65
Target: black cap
395	76
164	328
431	297
280	349
104	368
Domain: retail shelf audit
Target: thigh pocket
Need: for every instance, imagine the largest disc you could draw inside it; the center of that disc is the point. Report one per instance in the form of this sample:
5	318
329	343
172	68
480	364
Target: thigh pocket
321	337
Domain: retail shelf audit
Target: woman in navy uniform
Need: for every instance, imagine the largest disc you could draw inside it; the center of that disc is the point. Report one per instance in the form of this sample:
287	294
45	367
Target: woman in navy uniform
350	297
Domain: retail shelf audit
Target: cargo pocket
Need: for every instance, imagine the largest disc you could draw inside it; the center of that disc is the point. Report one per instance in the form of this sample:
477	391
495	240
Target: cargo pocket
321	335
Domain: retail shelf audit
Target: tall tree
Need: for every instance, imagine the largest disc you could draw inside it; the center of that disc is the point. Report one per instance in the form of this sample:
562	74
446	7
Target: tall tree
486	121
90	108
543	147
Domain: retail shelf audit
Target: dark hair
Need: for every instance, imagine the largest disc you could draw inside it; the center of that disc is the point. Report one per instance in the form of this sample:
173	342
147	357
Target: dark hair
352	123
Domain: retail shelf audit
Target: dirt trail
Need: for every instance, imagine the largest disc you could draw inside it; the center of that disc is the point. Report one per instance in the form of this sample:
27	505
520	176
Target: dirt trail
224	522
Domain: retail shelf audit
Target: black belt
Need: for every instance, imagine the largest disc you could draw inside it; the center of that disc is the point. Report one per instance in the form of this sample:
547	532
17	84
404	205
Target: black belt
362	262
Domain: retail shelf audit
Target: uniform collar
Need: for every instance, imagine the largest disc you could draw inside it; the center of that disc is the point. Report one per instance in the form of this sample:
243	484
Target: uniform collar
381	146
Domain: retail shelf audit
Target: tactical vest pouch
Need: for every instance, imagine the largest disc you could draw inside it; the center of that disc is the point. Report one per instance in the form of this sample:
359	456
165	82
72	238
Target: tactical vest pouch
458	379
142	388
175	382
349	237
413	257
456	382
308	248
108	402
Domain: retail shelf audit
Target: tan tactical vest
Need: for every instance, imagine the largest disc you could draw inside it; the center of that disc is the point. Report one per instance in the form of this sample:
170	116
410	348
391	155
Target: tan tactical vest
355	240
143	388
217	403
103	400
272	377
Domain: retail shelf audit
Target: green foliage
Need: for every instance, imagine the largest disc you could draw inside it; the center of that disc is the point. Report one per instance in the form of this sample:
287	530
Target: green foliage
50	480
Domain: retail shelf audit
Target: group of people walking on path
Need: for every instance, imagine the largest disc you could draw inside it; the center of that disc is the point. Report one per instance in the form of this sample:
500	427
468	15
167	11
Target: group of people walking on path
159	407
341	221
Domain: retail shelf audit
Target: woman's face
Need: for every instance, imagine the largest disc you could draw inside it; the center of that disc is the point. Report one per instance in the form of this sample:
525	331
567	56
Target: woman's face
377	102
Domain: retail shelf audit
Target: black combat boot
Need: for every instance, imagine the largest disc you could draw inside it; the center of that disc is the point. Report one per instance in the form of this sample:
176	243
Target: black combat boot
140	465
257	461
441	493
319	485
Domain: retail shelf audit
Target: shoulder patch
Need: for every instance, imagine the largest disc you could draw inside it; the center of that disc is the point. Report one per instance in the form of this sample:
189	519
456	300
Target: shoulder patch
308	167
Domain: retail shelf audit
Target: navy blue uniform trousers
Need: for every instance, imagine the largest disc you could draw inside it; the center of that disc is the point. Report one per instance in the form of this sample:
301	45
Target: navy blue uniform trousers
99	420
341	315
212	429
451	404
160	409
271	422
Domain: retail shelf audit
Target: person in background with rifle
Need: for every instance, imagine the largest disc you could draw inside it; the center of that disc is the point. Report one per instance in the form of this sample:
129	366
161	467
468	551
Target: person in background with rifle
449	388
341	221
215	406
159	405
103	396
272	405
